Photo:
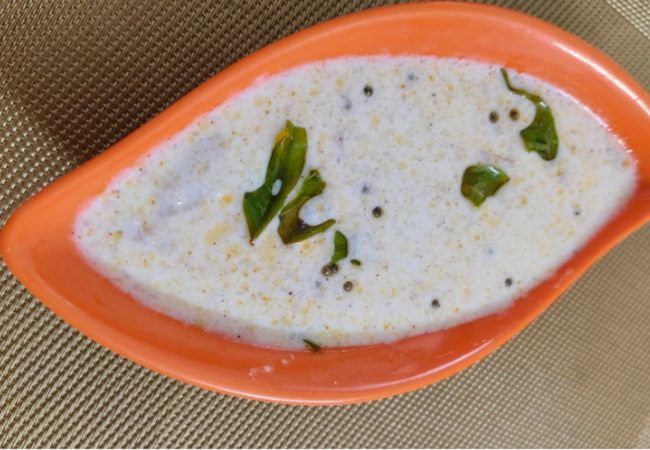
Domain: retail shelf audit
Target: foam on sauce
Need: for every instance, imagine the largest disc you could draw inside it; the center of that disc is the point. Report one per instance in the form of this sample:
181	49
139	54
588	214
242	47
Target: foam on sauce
171	232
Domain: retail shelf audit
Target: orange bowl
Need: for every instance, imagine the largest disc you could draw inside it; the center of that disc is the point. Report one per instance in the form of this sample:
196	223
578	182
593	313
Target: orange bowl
37	246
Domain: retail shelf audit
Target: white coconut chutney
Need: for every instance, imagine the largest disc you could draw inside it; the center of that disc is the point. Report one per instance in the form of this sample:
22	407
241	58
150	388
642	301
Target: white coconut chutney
393	132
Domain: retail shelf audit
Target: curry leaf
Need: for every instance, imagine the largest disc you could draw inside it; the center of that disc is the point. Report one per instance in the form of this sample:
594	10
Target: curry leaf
540	136
480	181
284	168
292	228
340	247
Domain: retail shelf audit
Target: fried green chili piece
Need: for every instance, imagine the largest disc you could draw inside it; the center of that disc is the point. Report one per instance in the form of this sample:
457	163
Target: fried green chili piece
284	167
292	228
540	136
340	247
480	181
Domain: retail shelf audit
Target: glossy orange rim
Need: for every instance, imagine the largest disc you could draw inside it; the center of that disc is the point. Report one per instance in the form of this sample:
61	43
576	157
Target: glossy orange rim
37	246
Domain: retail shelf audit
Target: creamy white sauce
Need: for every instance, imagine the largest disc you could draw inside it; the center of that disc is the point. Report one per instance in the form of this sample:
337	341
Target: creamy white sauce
171	232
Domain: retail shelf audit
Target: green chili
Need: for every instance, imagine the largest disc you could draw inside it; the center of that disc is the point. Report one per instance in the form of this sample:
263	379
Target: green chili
292	228
284	167
481	181
540	136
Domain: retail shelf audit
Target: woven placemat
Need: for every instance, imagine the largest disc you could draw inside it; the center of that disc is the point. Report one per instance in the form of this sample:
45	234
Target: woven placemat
76	76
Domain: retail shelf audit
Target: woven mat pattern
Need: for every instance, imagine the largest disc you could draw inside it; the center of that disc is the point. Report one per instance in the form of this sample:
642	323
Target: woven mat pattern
76	76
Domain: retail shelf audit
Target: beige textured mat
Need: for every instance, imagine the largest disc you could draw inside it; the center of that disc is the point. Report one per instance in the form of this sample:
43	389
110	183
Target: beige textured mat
75	77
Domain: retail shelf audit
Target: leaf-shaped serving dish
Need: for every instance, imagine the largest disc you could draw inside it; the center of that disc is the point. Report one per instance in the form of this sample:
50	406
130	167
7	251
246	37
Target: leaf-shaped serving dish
37	246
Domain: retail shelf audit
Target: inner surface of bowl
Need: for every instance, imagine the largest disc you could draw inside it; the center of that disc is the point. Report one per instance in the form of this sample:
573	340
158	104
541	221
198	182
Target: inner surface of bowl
38	248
